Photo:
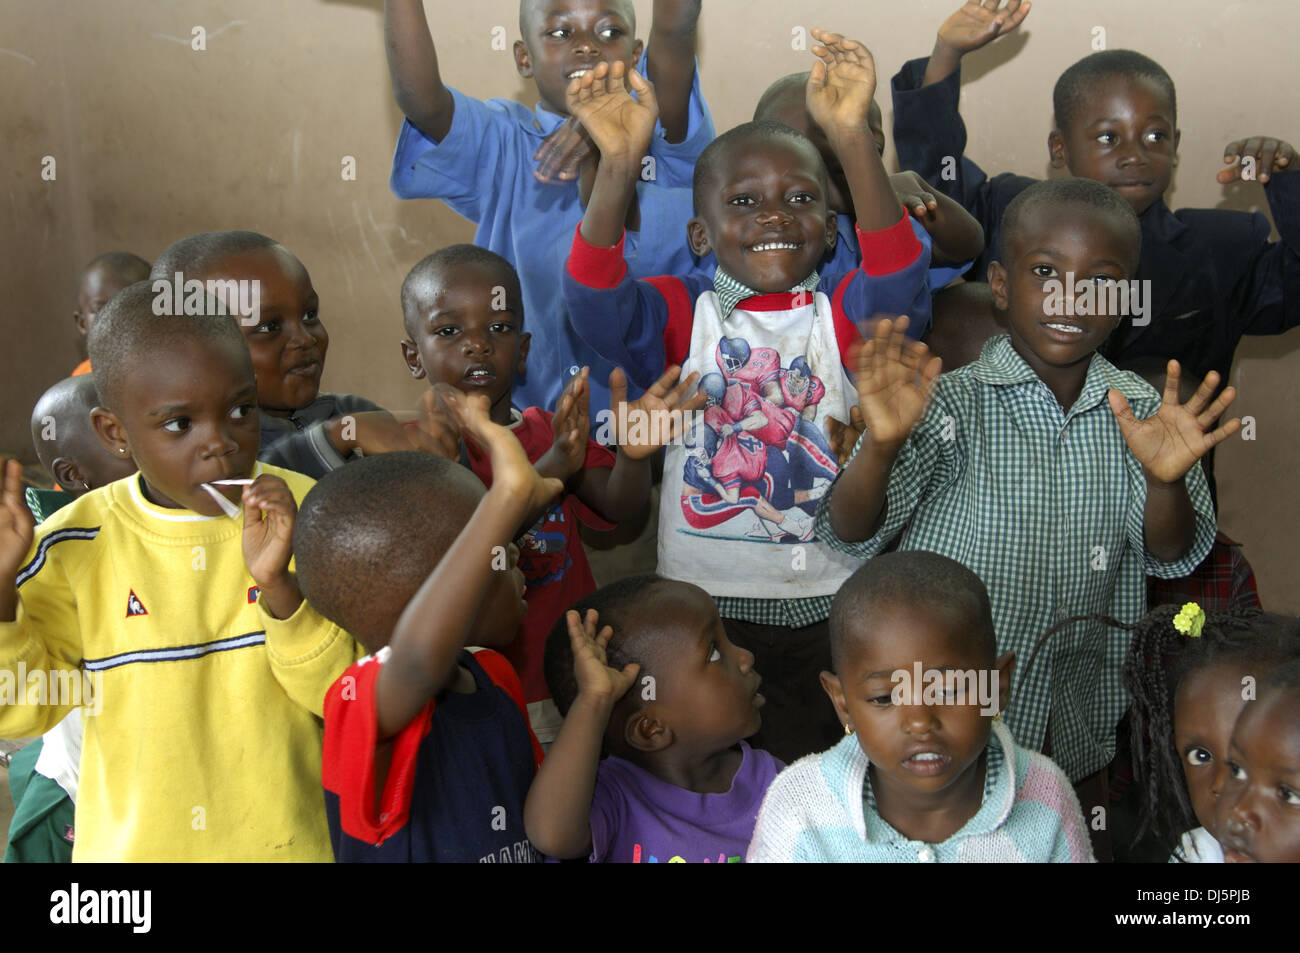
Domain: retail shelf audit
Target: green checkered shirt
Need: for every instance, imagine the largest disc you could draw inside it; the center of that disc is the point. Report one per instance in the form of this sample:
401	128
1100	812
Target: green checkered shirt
1047	508
792	613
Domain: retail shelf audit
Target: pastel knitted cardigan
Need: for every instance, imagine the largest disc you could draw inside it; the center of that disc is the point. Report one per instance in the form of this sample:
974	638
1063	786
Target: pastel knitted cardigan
815	811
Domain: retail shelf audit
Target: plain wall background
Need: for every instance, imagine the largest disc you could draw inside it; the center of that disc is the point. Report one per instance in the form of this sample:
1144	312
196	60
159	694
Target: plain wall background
154	141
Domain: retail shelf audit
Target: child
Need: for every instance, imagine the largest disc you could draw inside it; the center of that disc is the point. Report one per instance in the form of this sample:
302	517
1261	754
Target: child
923	774
302	429
47	770
479	157
1214	274
464	318
104	277
188	625
68	448
1184	712
671	699
1016	466
1256	815
428	755
775	333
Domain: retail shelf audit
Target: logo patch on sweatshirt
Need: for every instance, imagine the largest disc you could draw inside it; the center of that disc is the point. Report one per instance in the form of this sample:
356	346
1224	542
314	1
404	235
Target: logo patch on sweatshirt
134	606
252	594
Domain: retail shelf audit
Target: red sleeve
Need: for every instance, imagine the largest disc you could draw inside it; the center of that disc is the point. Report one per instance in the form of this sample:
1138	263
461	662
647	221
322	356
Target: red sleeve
595	266
503	676
681	319
890	249
348	759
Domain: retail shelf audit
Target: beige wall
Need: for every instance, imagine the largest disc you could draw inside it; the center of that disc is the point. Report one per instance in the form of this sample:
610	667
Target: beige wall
154	141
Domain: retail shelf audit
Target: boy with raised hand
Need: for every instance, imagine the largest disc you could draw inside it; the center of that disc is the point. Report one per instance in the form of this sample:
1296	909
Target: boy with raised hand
479	156
1214	274
768	334
188	626
1059	480
428	755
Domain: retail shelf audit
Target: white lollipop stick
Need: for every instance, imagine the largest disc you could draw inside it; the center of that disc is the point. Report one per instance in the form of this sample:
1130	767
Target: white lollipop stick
230	509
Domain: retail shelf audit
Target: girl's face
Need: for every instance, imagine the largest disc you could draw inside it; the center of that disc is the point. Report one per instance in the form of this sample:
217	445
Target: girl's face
1206	707
1258	814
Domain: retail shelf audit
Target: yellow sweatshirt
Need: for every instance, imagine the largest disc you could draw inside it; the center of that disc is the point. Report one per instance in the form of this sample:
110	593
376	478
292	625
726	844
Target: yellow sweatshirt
207	744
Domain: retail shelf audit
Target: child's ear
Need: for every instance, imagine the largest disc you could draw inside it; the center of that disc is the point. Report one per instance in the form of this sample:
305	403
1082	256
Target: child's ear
111	433
79	320
645	732
998	285
66	474
835	691
411	354
1005	666
698	237
1056	149
525	342
832	229
523	61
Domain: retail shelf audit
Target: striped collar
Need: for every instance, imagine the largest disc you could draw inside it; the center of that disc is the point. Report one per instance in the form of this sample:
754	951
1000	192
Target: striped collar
731	292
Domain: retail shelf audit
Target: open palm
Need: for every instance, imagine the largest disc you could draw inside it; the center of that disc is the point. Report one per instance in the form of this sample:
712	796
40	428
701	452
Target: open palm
619	125
895	379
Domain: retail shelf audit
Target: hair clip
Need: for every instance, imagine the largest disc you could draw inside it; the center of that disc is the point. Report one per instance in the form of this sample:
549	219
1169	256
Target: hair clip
1190	620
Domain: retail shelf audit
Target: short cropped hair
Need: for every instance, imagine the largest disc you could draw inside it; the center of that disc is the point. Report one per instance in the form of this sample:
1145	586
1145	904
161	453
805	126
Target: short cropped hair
195	255
68	403
443	263
368	535
708	165
128	335
1073	88
1285	677
911	578
1068	191
618	606
125	266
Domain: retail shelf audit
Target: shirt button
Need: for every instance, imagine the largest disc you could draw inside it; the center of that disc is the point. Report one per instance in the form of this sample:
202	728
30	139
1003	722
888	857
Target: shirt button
925	855
573	370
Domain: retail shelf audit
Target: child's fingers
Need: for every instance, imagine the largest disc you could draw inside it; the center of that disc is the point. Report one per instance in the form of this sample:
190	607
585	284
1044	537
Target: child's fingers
617	387
1216	409
644	89
1120	408
1173	375
1266	153
1214	438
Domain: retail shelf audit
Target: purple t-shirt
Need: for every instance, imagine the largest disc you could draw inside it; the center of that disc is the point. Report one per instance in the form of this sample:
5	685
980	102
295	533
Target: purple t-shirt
637	818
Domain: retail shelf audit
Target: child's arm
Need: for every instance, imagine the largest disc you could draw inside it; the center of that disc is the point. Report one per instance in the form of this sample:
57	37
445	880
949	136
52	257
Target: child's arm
621	128
1168	445
433	626
17	530
973	26
956	234
413	66
557	814
269	512
670	62
895	379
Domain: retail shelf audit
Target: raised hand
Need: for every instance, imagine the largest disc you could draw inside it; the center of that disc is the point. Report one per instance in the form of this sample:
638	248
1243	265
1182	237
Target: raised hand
436	429
977	24
513	476
570	425
17	528
651	419
560	156
269	512
595	678
1257	157
844	437
841	84
915	194
620	126
1168	443
896	376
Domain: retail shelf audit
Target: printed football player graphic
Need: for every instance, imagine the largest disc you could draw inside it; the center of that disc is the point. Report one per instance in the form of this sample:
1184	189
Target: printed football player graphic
543	549
758	449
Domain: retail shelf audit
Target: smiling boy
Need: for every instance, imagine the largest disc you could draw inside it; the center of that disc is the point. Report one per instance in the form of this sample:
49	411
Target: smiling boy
193	621
761	207
1057	479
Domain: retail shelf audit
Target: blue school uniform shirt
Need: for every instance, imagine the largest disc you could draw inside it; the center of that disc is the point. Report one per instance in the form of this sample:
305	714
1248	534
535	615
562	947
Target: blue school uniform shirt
483	168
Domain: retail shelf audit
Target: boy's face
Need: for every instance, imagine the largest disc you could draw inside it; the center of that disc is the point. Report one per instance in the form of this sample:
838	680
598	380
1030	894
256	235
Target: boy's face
1206	707
190	420
792	110
1052	243
467	333
564	38
705	687
913	748
1258	814
1124	137
765	216
288	343
97	287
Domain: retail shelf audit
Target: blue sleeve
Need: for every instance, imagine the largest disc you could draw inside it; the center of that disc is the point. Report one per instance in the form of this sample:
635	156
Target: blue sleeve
675	161
660	246
471	161
1270	294
860	296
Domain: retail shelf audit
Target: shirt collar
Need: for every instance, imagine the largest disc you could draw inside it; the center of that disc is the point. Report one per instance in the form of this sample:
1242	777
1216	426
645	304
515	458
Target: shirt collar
731	292
1000	365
